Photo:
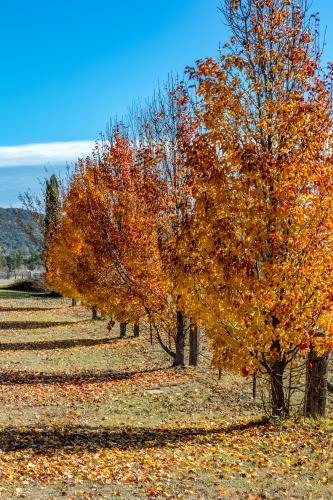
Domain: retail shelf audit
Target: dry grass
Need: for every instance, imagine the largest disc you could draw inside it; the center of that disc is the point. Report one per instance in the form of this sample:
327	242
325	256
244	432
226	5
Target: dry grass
86	415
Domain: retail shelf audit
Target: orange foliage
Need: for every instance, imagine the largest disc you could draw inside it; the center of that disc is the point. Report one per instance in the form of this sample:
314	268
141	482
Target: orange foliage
231	225
256	265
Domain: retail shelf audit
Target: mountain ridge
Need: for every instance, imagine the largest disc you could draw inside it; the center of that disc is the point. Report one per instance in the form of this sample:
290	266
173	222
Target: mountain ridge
12	236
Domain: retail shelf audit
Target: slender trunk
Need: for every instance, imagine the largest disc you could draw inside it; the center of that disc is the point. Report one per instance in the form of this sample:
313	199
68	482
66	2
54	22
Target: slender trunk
279	408
111	324
220	368
94	313
136	329
151	334
74	302
194	345
329	386
153	325
254	386
179	359
316	385
122	329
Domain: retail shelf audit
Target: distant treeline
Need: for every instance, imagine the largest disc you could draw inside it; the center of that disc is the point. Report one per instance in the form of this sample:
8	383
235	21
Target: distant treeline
20	260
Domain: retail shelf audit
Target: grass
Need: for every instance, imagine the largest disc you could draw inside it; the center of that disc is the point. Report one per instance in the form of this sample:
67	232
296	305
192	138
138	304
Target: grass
15	294
86	415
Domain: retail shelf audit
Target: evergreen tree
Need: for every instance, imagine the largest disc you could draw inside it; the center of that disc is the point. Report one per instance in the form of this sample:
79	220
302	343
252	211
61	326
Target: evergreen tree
52	207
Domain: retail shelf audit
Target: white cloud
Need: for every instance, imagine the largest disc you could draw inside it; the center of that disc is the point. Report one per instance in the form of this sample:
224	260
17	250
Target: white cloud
51	153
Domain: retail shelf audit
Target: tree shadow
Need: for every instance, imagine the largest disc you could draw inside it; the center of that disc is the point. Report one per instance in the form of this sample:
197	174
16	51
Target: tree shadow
34	325
83	438
30	309
16	294
78	378
54	344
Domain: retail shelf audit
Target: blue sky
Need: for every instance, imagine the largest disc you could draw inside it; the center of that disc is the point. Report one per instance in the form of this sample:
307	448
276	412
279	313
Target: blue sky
68	66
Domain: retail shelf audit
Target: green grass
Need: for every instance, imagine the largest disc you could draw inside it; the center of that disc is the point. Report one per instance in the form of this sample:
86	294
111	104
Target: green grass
14	294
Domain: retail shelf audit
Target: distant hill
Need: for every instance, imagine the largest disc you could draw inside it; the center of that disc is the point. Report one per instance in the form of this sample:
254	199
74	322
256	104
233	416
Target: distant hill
12	237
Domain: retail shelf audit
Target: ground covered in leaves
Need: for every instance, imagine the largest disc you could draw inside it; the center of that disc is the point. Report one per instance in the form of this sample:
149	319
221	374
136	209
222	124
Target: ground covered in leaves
86	415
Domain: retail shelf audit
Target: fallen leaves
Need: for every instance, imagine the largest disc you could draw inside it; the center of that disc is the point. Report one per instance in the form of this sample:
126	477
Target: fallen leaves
144	430
159	458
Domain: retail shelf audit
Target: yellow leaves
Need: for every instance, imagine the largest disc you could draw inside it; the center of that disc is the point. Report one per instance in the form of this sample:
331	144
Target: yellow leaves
234	224
323	344
262	265
256	453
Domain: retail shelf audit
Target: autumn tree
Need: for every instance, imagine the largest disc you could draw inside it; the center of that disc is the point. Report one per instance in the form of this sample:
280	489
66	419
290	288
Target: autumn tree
130	197
255	266
86	254
167	124
125	205
72	272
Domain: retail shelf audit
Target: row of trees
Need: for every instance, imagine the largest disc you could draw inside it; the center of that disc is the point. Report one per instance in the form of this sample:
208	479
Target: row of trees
212	206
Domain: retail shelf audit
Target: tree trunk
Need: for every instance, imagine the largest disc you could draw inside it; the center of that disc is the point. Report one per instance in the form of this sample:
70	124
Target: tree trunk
136	329
179	359
316	385
94	313
74	302
254	386
122	329
279	408
111	324
194	345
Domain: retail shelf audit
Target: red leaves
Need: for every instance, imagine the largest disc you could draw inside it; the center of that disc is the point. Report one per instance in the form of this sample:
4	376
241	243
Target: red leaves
304	345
